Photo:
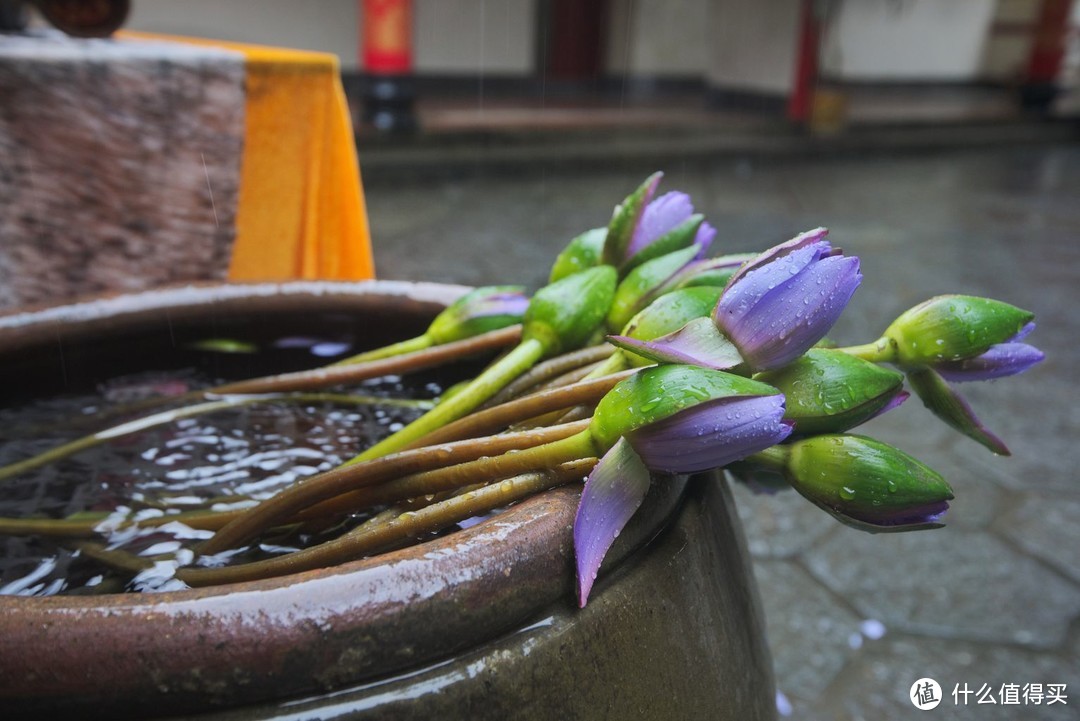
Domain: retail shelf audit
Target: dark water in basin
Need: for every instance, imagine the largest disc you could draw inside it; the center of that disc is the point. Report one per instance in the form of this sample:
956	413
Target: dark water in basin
228	459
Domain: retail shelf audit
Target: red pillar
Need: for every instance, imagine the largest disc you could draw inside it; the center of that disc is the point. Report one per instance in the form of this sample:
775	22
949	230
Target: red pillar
1047	53
801	101
387	58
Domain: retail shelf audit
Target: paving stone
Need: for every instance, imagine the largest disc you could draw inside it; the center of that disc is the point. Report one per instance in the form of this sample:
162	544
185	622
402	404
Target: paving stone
779	525
1047	527
949	582
878	683
810	631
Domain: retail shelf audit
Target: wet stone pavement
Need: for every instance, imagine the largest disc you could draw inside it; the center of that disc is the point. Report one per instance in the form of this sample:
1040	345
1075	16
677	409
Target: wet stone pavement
854	619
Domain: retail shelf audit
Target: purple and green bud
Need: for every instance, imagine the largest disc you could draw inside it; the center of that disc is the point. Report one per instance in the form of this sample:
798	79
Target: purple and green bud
829	391
564	315
582	253
479	311
953	328
676	419
780	304
643	229
866	483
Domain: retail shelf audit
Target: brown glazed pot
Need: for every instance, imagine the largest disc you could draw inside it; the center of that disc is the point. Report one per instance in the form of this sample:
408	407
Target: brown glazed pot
480	623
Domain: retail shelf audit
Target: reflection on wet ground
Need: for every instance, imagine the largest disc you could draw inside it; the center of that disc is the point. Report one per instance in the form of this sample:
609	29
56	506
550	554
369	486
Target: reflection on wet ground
854	620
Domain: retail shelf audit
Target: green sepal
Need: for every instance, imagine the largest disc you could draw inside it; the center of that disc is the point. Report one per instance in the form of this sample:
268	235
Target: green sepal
953	327
581	253
714	272
457	322
667	314
829	391
634	291
657	393
949	406
679	237
563	315
625	219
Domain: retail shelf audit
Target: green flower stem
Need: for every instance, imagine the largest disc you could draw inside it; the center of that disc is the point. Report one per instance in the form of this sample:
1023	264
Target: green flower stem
345	479
165	417
615	366
549	369
775	458
883	350
411	345
492	420
487	468
484	386
402	527
335	375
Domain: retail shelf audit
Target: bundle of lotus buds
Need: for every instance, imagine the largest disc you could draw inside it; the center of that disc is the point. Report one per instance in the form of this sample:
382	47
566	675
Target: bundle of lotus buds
641	357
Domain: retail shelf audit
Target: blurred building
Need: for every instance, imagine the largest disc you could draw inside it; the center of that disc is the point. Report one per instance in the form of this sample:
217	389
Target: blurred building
768	54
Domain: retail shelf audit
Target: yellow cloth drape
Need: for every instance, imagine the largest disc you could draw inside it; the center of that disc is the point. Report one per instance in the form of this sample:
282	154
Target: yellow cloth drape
301	210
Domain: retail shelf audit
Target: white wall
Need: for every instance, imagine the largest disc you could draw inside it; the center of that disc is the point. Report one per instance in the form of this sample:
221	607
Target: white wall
897	40
753	45
327	25
658	37
475	36
450	36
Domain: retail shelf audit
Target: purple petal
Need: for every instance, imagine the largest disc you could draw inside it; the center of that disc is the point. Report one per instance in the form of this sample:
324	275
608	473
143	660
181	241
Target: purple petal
1023	332
1001	360
613	492
697	343
704	238
894	402
777	312
712	434
498	304
659	216
810	237
929	513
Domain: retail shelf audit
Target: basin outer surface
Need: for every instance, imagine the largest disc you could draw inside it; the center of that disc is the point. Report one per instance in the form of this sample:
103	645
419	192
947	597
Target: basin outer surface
479	623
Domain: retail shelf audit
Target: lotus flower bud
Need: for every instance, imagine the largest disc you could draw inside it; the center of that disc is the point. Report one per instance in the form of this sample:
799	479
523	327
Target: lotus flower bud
780	304
581	253
953	328
866	483
829	391
564	315
479	311
643	229
684	418
679	419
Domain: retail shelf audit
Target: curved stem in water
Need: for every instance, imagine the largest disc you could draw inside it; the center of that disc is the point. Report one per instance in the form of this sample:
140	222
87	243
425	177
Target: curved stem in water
343	479
371	536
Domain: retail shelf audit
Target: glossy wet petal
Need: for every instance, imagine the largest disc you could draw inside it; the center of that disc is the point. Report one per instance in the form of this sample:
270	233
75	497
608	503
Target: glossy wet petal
612	493
659	216
697	343
712	434
779	310
1002	360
